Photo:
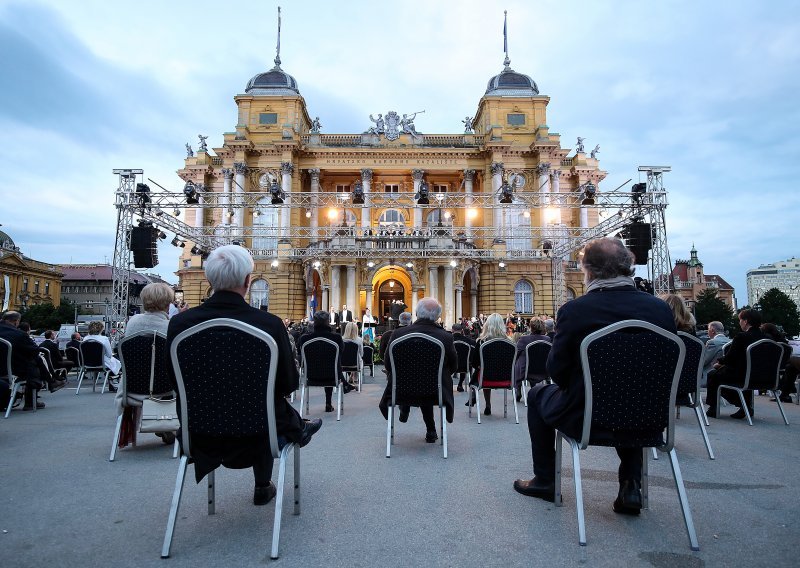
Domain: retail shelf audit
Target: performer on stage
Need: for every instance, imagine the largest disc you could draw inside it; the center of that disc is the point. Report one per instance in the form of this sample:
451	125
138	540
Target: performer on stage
368	323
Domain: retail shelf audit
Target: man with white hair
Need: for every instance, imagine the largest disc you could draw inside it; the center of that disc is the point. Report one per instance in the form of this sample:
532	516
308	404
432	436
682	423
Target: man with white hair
228	270
716	341
428	312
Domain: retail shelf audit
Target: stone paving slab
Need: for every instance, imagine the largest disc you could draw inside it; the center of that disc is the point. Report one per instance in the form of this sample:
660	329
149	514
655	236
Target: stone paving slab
64	504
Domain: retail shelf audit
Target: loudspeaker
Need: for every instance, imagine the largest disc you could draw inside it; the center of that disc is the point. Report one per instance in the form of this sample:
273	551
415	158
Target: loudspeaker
144	246
640	241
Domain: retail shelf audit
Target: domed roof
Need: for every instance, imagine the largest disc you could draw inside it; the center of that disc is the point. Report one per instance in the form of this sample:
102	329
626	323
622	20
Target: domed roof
509	83
276	81
6	242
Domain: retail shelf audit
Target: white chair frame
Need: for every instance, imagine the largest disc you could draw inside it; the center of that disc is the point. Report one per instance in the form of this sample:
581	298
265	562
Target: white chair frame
97	371
304	395
525	381
358	369
469	358
15	383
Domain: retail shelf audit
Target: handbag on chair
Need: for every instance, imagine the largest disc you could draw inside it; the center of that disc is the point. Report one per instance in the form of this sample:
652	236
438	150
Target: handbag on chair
158	415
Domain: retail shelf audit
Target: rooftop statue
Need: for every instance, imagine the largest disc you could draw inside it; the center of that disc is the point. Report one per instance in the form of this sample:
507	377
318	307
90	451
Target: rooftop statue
468	125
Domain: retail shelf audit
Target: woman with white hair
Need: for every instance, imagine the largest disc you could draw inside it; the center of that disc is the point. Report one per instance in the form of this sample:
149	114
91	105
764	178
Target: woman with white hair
95	334
494	328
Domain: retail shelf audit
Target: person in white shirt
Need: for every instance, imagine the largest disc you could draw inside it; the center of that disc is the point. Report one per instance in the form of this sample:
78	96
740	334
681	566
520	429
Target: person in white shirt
111	362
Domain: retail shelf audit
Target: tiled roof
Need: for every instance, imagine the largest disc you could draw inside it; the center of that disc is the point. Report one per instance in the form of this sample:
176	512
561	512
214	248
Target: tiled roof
721	283
95	272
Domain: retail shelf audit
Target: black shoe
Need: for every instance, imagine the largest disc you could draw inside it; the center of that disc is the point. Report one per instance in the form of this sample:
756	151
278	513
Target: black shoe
459	388
470	402
347	387
431	436
56	385
263	495
740	415
167	438
328	408
39	405
535	488
404	412
629	500
310	428
487	411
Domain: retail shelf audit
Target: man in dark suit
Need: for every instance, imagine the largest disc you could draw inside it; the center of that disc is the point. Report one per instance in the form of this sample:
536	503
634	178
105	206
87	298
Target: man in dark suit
337	320
731	368
228	270
56	358
458	335
611	296
397	308
428	312
346	315
322	328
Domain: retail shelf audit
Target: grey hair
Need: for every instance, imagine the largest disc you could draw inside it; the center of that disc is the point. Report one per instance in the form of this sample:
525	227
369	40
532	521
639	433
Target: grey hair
607	258
429	309
156	297
404	318
493	328
549	324
228	266
717	326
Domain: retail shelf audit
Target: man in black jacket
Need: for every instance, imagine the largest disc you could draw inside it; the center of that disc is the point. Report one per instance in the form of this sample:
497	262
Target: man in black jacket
731	368
610	297
228	270
322	328
58	361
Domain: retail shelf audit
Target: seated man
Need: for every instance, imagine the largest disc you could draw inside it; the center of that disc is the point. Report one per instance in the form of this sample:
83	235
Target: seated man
458	335
716	341
731	369
228	270
49	343
428	312
24	359
611	296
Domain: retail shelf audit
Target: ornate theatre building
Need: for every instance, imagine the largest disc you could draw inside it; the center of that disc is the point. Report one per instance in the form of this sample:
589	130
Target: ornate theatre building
391	213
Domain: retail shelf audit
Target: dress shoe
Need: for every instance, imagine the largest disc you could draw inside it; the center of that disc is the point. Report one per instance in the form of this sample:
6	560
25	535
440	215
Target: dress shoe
263	495
53	386
167	438
310	428
459	388
404	412
629	500
471	401
535	488
328	408
740	415
488	410
431	436
347	387
39	405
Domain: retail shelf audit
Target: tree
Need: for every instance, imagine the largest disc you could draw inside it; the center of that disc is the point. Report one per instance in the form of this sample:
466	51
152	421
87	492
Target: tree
710	307
47	316
778	308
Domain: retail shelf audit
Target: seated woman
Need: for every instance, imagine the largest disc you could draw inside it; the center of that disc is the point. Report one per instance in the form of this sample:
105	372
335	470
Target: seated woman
156	300
537	334
111	363
494	328
351	334
684	320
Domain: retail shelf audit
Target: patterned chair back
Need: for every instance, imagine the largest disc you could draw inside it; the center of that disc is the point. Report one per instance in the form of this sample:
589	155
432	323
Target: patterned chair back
350	354
692	371
417	362
137	355
92	354
320	358
464	351
497	363
369	355
73	355
763	364
225	375
5	360
536	353
631	371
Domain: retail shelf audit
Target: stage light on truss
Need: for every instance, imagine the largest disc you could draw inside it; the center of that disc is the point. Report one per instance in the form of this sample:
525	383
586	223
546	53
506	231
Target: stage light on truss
190	191
333	214
448	215
409	265
550	215
316	264
358	193
274	263
196	250
501	264
472	213
162	235
453	264
371	264
506	193
159	212
589	191
256	213
177	212
176	242
277	193
423	194
526	214
308	213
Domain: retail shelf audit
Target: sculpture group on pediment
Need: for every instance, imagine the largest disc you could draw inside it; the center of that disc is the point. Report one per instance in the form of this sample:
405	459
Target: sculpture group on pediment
203	147
391	125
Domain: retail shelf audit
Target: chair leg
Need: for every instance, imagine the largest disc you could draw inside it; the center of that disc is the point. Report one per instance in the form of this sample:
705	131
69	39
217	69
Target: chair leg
173	509
444	432
212	498
514	402
526	386
389	425
81	374
115	442
655	454
176	447
576	467
339	403
276	525
780	406
646	478
14	391
505	403
687	513
303	400
477	404
703	431
557	480
296	452
744	406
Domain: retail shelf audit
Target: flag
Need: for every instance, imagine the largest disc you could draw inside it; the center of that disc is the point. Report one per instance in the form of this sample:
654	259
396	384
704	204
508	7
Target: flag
505	35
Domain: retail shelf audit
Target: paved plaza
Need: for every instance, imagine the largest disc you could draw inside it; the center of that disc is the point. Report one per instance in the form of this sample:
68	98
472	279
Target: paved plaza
64	504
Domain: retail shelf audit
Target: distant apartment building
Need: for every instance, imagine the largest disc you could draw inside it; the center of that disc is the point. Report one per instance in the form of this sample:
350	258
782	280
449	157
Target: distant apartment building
688	280
783	275
90	286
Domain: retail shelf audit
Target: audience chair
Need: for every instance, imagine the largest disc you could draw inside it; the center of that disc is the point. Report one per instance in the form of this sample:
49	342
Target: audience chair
319	367
464	351
59	374
691	379
497	372
417	362
631	372
91	361
350	361
241	402
763	373
16	384
74	355
369	359
142	357
536	353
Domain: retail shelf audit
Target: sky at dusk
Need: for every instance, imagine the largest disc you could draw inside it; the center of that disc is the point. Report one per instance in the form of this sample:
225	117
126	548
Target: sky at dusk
708	88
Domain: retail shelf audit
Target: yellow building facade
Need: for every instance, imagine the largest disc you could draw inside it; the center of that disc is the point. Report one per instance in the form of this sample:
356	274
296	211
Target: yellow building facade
391	213
25	282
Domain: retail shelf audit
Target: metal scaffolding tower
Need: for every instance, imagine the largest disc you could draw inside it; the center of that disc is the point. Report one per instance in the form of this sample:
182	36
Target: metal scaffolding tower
125	202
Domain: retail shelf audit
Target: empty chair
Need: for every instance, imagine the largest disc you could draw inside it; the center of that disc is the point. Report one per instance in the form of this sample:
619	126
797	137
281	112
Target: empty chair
239	402
319	367
16	384
464	351
91	362
351	361
497	358
368	360
74	355
536	353
631	371
689	385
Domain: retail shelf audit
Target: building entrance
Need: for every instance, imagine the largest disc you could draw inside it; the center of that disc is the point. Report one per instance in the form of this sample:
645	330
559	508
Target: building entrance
388	292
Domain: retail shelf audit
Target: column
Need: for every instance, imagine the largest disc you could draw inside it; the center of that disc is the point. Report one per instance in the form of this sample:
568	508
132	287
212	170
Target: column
497	183
367	297
417	175
326	293
447	318
473	301
555	181
314	173
238	189
584	212
352	298
227	174
366	184
198	212
287	169
335	295
414	299
469	178
433	281
459	312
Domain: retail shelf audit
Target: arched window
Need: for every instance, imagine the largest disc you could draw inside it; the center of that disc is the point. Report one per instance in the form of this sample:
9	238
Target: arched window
392	217
265	227
259	293
523	297
569	293
439	217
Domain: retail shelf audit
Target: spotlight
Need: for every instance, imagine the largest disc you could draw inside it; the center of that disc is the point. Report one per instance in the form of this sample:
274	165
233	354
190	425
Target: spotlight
423	194
176	242
162	235
190	191
236	242
256	213
308	214
472	213
391	283
177	212
274	263
453	264
277	193
501	264
159	212
638	191
526	214
196	250
547	248
358	194
589	191
142	189
506	193
371	264
317	264
409	265
447	215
